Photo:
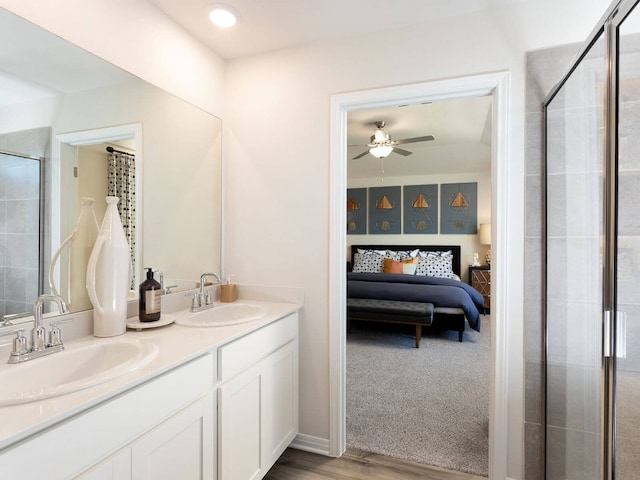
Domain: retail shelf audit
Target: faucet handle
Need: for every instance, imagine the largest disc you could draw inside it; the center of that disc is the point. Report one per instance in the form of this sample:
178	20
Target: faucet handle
196	302
55	335
19	343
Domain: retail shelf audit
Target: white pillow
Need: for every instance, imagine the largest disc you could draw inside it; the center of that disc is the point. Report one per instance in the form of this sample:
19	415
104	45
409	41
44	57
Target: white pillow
367	262
436	265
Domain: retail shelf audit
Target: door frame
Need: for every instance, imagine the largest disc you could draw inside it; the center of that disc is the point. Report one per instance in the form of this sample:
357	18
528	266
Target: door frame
504	377
84	138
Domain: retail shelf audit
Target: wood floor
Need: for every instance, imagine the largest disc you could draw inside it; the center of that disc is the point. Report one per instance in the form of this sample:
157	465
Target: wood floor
355	465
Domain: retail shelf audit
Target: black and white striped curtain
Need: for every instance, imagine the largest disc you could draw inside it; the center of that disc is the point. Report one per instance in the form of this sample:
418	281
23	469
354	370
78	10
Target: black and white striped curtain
122	184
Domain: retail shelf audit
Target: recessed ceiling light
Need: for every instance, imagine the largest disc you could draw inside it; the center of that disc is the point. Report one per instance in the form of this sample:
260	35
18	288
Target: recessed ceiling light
223	15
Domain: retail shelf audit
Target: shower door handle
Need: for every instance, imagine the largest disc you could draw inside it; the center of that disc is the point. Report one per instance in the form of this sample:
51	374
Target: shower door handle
620	337
606	334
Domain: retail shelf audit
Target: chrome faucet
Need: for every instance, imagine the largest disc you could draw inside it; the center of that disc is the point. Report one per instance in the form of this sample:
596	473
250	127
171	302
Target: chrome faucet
165	290
202	300
39	345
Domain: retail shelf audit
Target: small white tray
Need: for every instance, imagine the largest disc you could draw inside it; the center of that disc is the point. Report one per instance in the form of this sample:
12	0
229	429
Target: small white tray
135	324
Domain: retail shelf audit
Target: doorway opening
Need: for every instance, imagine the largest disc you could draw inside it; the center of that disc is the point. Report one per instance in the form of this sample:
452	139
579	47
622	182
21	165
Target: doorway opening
490	84
429	405
74	153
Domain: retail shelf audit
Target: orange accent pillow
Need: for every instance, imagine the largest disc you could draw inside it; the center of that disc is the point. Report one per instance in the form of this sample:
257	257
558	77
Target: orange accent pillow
405	266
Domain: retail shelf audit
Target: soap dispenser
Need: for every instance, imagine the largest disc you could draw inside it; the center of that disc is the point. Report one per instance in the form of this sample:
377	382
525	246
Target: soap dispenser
150	297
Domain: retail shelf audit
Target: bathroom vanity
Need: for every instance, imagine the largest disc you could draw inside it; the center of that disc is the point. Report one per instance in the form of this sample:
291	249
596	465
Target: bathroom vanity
212	403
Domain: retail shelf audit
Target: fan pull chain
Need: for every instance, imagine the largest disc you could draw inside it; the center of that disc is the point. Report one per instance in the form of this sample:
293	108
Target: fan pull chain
382	170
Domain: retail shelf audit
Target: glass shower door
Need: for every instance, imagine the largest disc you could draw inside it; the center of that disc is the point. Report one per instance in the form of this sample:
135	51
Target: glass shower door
627	361
575	123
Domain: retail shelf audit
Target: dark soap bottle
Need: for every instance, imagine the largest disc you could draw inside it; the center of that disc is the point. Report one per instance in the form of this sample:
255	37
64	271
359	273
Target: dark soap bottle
150	295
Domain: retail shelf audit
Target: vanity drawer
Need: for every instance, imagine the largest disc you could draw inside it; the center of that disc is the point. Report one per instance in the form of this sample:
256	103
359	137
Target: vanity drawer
240	354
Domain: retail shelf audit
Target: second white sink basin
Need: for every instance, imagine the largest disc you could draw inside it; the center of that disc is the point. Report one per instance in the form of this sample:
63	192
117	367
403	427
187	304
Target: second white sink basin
223	314
76	368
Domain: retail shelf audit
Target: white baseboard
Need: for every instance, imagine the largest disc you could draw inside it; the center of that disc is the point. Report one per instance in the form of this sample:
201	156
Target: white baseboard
311	444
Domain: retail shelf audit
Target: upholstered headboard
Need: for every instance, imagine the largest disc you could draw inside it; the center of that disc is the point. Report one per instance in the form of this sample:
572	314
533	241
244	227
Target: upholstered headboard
455	250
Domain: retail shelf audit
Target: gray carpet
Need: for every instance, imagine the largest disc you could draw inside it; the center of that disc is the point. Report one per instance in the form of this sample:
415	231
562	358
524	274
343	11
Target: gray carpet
428	405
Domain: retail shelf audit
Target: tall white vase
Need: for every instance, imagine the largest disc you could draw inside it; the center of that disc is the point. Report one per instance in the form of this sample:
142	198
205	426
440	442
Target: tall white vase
108	275
80	243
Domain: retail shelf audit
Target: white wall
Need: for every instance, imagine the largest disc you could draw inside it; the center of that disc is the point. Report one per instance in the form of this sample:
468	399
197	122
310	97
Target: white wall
277	132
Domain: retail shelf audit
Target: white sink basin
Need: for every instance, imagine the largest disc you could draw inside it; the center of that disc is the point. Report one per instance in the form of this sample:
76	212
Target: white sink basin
223	314
76	368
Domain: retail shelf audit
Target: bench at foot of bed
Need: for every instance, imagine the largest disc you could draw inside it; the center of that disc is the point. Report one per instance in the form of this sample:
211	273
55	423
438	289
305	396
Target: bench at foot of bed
391	311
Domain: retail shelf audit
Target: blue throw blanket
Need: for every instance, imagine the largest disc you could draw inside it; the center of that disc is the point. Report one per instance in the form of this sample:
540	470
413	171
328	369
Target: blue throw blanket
441	292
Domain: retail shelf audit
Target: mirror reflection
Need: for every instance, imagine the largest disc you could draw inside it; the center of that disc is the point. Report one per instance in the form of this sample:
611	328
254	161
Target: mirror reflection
60	110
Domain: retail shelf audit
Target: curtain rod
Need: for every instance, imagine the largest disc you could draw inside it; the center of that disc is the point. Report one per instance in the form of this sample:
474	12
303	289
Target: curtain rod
113	150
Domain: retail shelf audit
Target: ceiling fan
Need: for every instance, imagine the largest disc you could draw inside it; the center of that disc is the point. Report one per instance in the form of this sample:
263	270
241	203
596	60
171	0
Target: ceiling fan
381	144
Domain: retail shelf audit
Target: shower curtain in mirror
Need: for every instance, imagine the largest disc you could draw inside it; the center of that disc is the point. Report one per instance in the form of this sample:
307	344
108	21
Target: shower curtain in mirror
122	184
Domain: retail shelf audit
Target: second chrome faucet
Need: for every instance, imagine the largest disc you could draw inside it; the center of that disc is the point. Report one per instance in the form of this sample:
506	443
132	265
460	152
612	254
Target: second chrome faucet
202	299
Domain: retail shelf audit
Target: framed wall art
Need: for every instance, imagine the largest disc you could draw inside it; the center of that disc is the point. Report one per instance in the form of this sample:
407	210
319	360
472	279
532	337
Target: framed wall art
459	208
420	209
385	210
356	211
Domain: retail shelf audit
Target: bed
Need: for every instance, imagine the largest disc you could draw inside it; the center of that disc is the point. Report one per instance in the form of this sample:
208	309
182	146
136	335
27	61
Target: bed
431	276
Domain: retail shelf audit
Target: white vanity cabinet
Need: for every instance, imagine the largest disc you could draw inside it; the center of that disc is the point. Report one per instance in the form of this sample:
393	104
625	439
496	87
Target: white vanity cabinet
227	414
132	436
257	399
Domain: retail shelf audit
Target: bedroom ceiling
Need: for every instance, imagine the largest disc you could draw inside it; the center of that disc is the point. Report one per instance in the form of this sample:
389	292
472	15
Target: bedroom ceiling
462	131
271	25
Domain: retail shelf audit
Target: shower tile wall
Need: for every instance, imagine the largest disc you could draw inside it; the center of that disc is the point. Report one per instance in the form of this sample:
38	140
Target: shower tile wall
544	70
19	232
20	279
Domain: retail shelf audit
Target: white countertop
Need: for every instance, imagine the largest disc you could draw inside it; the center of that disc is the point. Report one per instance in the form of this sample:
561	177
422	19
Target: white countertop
177	345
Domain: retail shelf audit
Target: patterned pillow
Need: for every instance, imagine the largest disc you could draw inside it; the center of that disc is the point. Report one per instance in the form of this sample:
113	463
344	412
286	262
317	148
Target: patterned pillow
367	262
436	264
405	266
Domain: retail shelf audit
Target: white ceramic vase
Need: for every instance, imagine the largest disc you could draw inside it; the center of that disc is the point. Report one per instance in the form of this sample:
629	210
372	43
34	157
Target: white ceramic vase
80	243
108	276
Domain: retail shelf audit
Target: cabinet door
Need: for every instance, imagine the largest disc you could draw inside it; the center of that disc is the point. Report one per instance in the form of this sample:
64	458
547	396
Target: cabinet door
280	402
116	467
239	426
258	415
181	447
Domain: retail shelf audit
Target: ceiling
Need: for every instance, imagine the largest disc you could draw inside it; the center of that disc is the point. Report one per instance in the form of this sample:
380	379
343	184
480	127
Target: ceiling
275	24
462	138
461	127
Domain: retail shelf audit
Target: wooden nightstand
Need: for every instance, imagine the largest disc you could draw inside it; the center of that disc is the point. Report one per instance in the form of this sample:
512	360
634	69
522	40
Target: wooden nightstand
480	279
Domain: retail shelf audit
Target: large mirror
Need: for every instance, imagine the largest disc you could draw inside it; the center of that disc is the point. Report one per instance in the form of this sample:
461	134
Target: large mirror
64	117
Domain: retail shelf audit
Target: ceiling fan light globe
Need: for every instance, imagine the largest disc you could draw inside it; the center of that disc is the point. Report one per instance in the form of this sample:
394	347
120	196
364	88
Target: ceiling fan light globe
381	151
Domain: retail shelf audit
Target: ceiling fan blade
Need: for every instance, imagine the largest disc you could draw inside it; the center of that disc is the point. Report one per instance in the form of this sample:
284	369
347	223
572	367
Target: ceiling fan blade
426	138
361	155
401	151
